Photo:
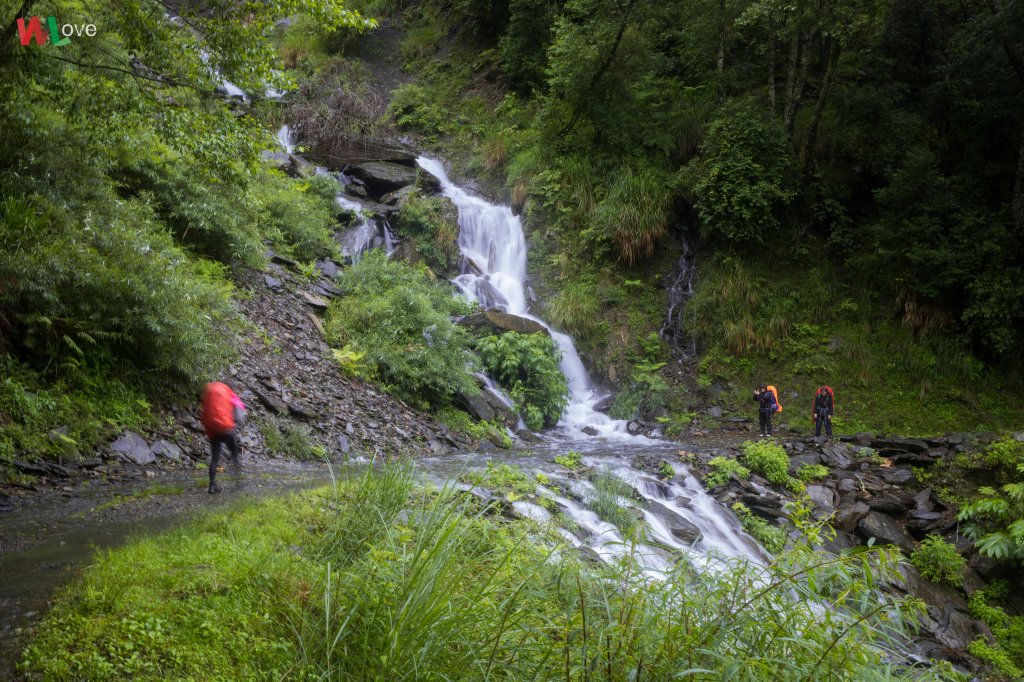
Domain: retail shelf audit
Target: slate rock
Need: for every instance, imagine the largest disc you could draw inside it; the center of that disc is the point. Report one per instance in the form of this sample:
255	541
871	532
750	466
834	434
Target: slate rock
887	504
849	516
886	531
835	456
133	448
314	301
381	177
715	412
529	436
823	498
168	450
270	401
805	459
896	475
327	267
589	430
497	322
271	282
682	529
604	404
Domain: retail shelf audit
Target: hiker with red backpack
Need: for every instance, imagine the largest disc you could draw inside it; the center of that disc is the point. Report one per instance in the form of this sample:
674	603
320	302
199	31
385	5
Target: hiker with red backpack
821	413
222	411
768	404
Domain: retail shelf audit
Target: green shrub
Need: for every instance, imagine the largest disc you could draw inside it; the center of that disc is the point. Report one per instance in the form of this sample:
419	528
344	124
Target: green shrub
938	561
526	365
665	470
302	212
399	318
995	520
767	459
634	213
1007	655
1005	455
572	460
812	472
432	223
508	480
290	439
771	537
722	468
413	107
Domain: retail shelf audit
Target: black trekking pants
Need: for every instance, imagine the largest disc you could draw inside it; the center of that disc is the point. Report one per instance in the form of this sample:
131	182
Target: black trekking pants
766	423
823	419
215	443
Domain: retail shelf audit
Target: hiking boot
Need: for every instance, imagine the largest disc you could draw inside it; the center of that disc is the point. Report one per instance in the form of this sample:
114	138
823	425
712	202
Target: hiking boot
214	489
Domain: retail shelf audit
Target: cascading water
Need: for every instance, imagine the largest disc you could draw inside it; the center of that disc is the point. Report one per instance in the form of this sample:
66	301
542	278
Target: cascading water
679	293
494	273
286	138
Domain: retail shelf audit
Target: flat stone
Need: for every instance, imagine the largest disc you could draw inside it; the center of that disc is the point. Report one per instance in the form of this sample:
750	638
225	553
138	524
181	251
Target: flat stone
529	436
680	528
887	504
381	177
823	498
886	531
497	322
896	475
315	301
835	456
327	267
271	282
168	450
133	448
899	445
923	500
283	260
863	438
301	412
847	517
270	401
805	459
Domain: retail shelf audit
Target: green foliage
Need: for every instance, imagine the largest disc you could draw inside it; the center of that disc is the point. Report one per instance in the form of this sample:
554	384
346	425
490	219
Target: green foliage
461	422
722	469
938	561
526	365
634	213
647	389
291	439
767	459
572	460
303	213
1007	654
666	471
743	177
340	583
400	319
413	108
508	480
606	499
433	225
812	472
995	520
1005	455
771	537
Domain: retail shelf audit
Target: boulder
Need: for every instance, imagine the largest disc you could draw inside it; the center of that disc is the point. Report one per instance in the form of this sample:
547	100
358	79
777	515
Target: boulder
316	302
891	445
886	531
604	404
382	177
496	322
835	457
327	267
270	401
822	497
344	148
589	430
398	197
896	475
805	459
167	449
849	516
133	448
489	296
477	405
682	529
529	436
945	610
271	282
887	504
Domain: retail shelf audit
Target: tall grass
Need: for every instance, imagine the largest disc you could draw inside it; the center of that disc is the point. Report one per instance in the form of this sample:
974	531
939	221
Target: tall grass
377	578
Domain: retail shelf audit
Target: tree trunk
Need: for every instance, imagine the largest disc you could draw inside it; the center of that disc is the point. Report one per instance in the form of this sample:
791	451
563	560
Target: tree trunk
771	65
793	101
807	152
1017	203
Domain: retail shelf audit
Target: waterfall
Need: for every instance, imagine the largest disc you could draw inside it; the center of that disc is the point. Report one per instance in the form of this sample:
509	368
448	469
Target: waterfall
286	138
493	246
679	293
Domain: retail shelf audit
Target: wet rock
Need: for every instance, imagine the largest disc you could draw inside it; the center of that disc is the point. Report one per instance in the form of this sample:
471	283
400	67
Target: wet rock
589	430
886	531
946	611
272	282
822	497
806	459
131	447
849	516
835	457
381	177
848	485
327	267
167	450
477	405
337	150
634	427
604	404
314	301
887	504
682	529
529	436
496	322
42	468
397	197
270	401
895	445
896	475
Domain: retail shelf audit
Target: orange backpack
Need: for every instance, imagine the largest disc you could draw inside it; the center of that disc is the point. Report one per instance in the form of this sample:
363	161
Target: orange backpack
218	410
775	392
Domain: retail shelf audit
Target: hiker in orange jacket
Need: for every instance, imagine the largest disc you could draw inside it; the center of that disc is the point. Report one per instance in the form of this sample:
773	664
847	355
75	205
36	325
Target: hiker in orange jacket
222	411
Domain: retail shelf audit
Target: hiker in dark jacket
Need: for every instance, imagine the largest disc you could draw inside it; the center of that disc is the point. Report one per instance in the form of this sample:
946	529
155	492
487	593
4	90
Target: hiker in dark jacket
824	406
767	406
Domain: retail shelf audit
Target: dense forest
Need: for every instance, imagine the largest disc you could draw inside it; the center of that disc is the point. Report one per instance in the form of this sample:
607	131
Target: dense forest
842	184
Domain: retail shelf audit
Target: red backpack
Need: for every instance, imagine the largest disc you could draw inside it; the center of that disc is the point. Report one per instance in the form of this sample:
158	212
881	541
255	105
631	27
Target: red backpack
218	410
814	402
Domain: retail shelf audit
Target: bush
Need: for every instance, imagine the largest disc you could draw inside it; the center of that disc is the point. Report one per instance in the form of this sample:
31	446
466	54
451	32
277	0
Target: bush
572	460
1005	455
722	468
812	472
938	561
287	438
634	213
302	213
526	365
432	223
665	470
772	538
767	459
743	176
1007	655
995	520
603	500
503	479
399	318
